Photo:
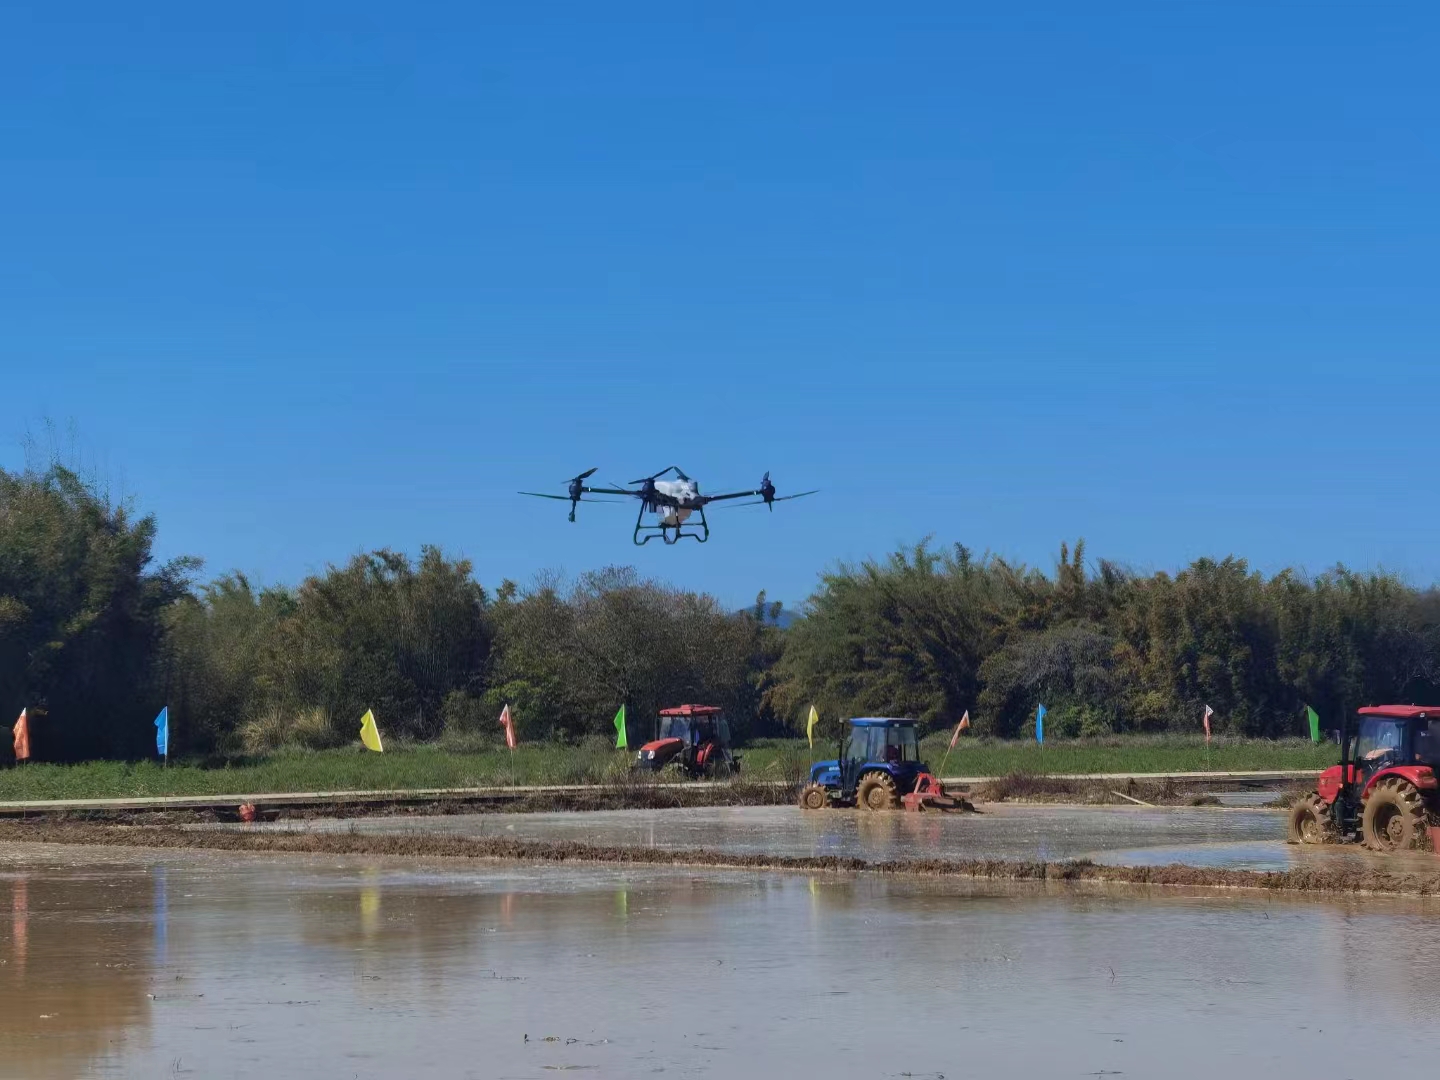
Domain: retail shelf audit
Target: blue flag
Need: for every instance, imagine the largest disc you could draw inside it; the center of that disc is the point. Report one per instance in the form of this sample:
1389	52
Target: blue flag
1040	725
162	732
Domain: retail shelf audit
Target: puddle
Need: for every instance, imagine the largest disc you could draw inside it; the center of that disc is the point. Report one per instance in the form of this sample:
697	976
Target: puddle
198	964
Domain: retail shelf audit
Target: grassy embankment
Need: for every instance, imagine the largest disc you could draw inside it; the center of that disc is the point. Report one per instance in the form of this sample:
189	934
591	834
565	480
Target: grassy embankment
461	765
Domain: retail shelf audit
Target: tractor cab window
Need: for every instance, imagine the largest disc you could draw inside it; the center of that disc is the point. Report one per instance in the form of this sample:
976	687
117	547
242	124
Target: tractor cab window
1378	739
723	727
866	744
888	744
1427	742
900	744
675	727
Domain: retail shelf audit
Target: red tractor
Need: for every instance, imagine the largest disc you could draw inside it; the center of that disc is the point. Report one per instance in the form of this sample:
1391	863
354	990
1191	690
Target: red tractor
1384	792
692	738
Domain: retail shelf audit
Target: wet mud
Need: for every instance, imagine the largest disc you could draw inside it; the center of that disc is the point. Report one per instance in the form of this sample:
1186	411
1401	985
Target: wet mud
1345	879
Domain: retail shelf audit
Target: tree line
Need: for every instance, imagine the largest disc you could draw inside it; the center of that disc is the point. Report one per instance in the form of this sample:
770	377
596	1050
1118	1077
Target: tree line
98	635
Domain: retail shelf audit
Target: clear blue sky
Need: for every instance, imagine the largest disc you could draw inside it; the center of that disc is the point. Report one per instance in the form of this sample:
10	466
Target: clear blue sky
310	278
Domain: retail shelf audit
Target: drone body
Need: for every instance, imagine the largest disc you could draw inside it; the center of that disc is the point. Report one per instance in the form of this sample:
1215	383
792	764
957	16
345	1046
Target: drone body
673	503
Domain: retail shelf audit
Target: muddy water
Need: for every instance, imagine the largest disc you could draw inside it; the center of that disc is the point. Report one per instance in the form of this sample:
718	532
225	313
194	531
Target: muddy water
1244	839
1219	837
187	964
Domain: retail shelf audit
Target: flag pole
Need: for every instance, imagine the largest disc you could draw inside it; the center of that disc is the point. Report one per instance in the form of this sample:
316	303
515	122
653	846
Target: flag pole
961	726
510	732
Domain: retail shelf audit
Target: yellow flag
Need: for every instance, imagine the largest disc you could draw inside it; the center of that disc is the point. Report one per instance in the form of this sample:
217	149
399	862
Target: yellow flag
369	733
810	726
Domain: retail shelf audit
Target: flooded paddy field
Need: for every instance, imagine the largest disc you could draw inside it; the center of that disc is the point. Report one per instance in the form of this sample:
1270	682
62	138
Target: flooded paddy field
1210	837
164	964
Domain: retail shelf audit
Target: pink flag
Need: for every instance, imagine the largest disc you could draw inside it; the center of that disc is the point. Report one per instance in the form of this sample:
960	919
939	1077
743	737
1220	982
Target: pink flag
22	736
961	726
508	723
1209	712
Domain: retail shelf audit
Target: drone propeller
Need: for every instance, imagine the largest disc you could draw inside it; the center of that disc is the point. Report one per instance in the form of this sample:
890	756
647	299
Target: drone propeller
679	475
575	490
768	496
767	502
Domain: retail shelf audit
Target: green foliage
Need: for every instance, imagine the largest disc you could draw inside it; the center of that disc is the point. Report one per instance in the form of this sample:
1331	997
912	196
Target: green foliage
567	657
82	615
92	630
928	635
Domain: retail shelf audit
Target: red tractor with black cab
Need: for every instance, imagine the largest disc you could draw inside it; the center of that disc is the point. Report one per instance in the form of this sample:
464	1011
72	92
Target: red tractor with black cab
695	739
1384	792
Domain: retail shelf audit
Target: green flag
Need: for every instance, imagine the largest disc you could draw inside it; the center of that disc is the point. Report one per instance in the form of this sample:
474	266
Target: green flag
1314	719
621	742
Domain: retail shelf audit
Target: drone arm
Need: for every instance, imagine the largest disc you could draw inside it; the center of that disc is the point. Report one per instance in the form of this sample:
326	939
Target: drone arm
609	491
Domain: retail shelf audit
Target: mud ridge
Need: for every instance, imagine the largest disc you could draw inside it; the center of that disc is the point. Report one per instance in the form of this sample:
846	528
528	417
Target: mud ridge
1033	788
636	796
1340	880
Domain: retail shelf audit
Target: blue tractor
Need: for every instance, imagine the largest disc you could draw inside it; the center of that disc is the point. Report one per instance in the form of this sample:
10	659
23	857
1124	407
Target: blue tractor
879	768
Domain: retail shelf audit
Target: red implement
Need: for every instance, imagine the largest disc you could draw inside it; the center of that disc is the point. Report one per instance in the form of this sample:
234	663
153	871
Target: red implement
929	794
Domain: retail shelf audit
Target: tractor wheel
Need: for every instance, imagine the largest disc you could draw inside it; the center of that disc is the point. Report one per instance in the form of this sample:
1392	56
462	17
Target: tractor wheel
814	797
876	792
1394	818
1310	822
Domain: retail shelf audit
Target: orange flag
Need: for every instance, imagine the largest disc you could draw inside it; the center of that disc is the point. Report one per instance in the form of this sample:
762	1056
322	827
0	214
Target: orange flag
22	736
961	726
508	723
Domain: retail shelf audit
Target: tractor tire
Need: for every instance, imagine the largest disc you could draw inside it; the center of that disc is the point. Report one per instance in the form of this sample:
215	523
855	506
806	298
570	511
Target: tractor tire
1310	822
1394	818
814	797
876	791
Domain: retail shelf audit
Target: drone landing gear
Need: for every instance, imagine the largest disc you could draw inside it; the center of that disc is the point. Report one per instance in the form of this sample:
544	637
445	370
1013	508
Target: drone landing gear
670	534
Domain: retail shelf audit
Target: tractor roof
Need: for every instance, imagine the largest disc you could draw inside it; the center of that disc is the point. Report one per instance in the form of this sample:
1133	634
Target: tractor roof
1402	712
693	710
882	721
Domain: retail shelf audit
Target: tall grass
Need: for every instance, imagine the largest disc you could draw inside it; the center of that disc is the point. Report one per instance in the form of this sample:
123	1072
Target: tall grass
1127	753
475	761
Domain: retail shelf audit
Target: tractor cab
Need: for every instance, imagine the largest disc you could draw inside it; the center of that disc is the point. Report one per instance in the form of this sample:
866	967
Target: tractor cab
874	743
1384	790
694	738
879	767
1379	740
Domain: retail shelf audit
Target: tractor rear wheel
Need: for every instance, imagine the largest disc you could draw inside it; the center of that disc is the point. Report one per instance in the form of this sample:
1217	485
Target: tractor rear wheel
1310	822
1394	818
876	792
814	797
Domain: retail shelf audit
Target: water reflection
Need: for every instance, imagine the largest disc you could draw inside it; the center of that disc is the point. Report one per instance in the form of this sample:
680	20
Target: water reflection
292	967
75	968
